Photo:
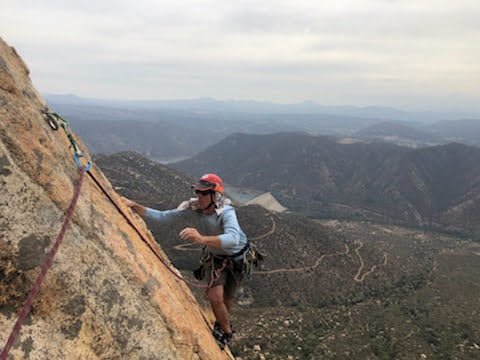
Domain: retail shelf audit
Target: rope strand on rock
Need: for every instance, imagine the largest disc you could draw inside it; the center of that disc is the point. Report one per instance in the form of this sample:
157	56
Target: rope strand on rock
45	267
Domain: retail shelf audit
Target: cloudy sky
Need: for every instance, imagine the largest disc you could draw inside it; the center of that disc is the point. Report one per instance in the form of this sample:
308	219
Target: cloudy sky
410	54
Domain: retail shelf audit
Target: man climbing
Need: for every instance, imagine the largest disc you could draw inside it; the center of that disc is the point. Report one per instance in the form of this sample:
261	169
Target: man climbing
225	244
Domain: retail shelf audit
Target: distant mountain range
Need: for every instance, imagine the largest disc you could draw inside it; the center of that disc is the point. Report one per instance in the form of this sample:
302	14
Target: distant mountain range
465	131
400	133
434	186
168	131
160	140
262	107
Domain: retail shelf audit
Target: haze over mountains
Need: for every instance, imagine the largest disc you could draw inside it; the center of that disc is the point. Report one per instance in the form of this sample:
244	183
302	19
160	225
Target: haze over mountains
174	129
260	107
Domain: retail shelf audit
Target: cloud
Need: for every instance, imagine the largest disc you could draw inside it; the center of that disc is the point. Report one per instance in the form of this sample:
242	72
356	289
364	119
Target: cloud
373	50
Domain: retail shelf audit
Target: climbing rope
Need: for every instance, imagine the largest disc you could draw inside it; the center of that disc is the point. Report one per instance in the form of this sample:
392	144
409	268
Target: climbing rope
46	266
152	247
53	120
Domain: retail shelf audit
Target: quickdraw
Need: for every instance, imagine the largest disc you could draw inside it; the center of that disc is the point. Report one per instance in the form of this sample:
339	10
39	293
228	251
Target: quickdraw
55	121
252	257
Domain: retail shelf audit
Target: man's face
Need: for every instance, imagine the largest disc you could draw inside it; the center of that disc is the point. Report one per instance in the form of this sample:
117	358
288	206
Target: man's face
204	198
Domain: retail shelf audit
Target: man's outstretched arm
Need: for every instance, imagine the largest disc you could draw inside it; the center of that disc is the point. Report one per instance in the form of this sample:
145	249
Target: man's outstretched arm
139	209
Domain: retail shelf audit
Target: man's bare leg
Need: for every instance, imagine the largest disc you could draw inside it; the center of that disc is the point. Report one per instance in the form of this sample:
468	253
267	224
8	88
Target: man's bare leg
215	296
228	304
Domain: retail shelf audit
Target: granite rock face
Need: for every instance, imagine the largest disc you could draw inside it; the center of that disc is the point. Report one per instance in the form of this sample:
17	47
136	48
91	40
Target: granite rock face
107	295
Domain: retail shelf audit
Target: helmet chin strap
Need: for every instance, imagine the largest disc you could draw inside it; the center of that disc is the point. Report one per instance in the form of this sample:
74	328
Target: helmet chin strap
212	202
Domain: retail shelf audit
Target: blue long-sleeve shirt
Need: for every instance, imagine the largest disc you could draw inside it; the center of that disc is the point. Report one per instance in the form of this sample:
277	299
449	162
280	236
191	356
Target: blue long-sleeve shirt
223	224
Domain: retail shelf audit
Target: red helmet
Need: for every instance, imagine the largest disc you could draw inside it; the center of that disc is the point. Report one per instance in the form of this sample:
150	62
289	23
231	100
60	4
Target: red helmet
210	182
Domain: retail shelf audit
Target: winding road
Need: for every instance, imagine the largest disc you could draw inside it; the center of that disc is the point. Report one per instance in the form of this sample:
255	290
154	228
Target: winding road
270	232
359	278
305	268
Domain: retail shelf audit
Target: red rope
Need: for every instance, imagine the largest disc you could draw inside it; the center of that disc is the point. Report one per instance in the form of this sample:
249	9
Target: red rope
46	266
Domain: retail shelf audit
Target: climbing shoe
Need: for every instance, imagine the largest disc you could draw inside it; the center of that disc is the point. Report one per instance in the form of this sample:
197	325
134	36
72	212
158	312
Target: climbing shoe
224	340
217	331
221	337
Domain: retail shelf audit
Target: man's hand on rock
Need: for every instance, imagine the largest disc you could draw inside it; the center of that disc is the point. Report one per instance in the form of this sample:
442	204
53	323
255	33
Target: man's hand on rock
128	202
139	209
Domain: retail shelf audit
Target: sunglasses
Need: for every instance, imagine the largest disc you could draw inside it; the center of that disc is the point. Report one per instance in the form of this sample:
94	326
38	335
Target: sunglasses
203	192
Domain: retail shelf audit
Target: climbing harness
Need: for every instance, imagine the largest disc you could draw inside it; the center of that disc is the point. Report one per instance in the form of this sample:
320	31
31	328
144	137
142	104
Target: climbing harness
212	265
251	258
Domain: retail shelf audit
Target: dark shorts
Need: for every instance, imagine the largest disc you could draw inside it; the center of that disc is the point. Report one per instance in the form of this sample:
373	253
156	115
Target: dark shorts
230	277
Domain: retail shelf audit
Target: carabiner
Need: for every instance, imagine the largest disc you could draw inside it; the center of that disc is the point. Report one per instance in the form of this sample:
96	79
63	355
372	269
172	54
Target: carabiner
51	120
76	157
